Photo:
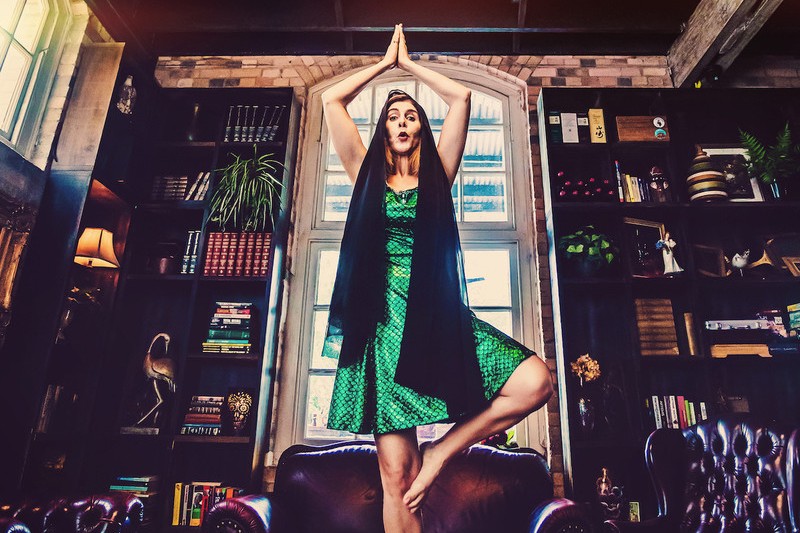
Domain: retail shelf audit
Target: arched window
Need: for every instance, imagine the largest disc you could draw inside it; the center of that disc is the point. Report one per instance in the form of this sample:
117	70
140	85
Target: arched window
494	204
27	30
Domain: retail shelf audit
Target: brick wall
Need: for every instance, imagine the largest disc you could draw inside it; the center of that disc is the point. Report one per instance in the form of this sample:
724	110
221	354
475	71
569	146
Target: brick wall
535	72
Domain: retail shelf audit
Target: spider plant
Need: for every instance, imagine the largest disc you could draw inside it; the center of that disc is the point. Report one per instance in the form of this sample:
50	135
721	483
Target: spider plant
244	195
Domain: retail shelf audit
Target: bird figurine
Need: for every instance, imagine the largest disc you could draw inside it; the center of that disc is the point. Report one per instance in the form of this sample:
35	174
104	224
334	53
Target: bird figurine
158	369
740	260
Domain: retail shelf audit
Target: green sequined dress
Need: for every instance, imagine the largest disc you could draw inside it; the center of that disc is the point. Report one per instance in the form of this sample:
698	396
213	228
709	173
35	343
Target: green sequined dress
365	398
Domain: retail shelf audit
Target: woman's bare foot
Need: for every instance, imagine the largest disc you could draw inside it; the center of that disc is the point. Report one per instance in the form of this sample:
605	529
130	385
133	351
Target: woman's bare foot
432	464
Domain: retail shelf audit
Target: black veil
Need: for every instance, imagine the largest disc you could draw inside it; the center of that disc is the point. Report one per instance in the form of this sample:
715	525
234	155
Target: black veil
437	355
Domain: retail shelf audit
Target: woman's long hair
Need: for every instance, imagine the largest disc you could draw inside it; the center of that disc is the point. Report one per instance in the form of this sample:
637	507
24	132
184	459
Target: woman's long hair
437	353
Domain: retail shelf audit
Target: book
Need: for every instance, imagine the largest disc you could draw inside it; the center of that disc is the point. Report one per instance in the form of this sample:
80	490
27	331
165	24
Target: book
569	127
597	126
680	402
554	127
584	133
656	412
673	412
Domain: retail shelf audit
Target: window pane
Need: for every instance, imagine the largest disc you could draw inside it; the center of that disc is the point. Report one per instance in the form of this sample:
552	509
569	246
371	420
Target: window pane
432	431
7	10
12	76
359	108
320	326
488	274
326	275
485	197
382	92
485	110
338	191
434	106
320	389
30	23
501	319
333	163
484	149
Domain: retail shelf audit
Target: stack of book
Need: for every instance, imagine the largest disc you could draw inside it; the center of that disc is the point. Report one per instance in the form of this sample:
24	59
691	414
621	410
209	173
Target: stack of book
674	411
143	487
253	123
193	500
199	188
656	325
244	254
229	329
166	188
189	261
204	416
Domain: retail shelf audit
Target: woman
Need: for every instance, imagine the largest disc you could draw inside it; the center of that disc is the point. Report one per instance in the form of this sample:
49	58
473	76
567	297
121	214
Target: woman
410	350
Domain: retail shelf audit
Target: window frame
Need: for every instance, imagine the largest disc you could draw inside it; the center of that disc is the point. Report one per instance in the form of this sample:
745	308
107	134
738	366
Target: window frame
32	101
312	233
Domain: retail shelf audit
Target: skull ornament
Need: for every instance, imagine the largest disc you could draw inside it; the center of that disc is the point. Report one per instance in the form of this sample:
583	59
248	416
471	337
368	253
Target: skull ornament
239	404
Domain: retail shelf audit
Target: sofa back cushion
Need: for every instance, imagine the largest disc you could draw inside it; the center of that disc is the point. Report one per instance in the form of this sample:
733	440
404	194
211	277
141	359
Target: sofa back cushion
736	477
337	489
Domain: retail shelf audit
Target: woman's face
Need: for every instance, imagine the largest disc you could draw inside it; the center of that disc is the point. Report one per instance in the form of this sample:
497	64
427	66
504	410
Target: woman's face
402	127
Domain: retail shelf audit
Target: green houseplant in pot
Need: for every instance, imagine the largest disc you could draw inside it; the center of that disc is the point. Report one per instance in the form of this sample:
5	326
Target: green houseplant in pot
776	166
588	252
246	191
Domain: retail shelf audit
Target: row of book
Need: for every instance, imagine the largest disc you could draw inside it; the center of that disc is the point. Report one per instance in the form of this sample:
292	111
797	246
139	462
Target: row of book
237	254
143	487
197	192
189	261
584	127
192	500
675	411
253	123
168	188
229	328
203	416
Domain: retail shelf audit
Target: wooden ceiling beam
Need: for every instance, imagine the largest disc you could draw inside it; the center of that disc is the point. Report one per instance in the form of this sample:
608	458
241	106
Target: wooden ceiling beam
348	39
715	34
522	10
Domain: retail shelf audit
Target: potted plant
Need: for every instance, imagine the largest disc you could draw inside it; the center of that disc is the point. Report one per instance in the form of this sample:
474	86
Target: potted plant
587	250
244	196
775	166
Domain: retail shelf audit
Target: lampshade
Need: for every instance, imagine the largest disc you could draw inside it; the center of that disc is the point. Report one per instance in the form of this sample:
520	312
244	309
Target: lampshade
96	249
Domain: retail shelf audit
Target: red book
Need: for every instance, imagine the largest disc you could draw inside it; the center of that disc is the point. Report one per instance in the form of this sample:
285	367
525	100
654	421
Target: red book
241	244
248	253
231	262
265	255
681	412
258	248
209	268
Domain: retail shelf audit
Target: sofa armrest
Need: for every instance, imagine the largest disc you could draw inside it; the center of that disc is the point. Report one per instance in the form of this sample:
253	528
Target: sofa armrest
254	513
12	525
556	515
116	512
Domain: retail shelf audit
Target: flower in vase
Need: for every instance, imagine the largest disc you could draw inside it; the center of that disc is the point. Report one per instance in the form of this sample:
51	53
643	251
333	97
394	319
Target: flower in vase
585	368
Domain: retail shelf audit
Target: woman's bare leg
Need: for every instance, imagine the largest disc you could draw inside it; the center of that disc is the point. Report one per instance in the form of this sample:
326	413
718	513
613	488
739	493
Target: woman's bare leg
399	462
528	389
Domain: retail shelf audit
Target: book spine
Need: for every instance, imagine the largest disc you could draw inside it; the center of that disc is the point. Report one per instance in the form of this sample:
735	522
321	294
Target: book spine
257	253
265	255
261	125
228	126
673	412
584	134
275	123
554	127
620	188
193	252
656	412
569	127
241	243
247	268
230	261
680	402
237	128
177	498
703	412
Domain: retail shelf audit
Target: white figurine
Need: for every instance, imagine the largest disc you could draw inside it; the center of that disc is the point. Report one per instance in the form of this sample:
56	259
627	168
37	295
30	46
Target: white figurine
666	245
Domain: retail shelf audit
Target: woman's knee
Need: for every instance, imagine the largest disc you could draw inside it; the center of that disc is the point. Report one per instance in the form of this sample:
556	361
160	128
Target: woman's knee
397	474
538	383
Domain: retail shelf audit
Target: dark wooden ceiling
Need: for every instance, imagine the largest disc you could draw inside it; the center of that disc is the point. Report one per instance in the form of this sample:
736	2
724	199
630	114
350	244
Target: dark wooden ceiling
176	27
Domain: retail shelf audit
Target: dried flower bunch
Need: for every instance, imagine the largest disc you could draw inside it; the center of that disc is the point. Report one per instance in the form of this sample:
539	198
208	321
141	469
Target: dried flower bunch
586	368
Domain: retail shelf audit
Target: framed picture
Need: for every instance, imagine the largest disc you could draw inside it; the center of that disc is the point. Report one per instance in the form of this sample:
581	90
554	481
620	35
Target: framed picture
710	260
793	264
732	161
644	236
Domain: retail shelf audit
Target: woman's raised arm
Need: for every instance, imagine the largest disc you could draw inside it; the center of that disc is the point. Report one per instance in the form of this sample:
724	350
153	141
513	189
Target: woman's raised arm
341	128
456	96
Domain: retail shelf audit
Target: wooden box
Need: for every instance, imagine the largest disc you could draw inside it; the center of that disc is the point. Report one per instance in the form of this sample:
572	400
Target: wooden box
642	128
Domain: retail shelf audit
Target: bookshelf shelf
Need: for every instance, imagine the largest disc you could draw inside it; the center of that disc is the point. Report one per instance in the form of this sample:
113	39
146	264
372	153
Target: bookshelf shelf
203	439
171	206
615	320
161	277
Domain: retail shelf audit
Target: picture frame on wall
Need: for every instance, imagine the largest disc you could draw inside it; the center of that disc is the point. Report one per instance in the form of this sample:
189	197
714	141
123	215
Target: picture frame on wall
732	161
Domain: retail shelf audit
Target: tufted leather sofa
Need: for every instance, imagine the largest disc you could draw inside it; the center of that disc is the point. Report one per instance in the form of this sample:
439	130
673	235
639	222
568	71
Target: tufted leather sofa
725	475
337	489
115	512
